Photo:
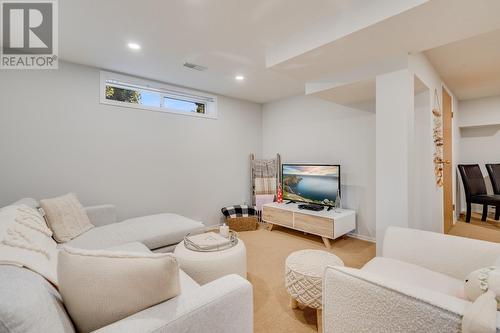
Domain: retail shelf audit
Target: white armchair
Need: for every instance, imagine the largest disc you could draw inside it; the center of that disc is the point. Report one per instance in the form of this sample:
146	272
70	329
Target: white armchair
416	286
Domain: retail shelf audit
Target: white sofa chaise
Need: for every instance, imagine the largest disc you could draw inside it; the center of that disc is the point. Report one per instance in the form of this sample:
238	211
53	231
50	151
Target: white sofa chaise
417	285
159	232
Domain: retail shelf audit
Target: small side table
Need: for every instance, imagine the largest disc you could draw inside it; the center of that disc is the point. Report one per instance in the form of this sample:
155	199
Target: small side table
304	278
205	267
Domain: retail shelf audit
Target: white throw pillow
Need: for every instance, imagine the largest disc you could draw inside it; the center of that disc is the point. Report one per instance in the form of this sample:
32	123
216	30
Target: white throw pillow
497	262
100	287
66	217
26	241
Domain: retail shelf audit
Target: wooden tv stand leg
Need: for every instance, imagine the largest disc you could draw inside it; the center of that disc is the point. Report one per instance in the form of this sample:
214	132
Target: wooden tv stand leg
270	227
327	242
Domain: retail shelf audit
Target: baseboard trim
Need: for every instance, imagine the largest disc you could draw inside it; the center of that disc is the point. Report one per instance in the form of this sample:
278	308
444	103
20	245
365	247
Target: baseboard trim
362	237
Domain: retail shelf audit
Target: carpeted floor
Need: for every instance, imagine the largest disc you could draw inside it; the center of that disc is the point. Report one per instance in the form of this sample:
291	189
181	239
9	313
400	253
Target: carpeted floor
266	253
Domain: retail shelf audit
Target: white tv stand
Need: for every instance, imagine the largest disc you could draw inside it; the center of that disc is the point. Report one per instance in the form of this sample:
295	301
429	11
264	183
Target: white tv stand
327	224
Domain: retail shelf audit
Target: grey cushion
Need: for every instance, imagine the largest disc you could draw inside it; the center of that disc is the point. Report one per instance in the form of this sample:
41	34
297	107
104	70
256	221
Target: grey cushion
154	231
29	303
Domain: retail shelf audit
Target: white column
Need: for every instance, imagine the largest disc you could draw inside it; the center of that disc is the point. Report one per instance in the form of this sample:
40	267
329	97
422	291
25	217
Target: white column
394	132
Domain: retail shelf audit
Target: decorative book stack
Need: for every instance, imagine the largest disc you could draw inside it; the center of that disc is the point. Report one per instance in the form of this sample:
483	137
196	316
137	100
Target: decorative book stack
208	241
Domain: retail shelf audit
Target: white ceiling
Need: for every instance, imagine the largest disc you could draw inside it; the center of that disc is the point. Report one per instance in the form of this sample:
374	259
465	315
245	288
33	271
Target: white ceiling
228	36
317	40
359	94
349	94
427	25
470	67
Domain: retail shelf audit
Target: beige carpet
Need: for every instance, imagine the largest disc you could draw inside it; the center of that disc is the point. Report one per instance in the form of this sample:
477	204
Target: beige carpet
266	252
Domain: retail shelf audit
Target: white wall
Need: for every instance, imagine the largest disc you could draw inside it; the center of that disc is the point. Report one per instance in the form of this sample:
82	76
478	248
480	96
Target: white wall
421	216
480	112
310	130
394	122
479	144
420	66
56	137
404	153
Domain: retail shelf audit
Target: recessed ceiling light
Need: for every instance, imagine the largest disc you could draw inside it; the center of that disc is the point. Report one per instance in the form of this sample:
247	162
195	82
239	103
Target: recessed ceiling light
239	77
134	46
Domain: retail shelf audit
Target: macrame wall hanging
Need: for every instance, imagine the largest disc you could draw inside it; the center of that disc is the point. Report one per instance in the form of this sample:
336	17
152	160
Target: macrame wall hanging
438	139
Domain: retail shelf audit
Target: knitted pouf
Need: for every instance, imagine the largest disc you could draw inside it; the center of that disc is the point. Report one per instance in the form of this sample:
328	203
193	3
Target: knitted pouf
304	274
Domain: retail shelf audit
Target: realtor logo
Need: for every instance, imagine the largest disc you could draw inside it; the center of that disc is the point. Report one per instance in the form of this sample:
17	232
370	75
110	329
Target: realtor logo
29	34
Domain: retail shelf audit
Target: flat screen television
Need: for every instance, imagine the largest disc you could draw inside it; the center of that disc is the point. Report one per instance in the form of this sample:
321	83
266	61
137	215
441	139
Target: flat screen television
311	183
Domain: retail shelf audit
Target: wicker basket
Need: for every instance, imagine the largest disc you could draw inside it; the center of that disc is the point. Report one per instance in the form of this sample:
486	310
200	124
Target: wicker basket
242	223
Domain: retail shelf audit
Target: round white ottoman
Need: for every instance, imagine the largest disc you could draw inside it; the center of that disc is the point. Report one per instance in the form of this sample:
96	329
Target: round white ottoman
304	278
204	267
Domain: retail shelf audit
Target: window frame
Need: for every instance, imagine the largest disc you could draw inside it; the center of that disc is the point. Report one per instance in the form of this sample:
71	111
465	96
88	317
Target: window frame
163	89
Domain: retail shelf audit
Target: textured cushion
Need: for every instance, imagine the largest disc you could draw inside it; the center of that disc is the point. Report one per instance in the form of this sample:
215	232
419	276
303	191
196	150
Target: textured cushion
66	217
30	304
187	284
25	240
438	252
415	275
497	262
154	231
103	286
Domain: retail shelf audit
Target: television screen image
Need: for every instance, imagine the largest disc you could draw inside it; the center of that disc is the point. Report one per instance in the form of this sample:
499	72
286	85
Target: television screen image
318	184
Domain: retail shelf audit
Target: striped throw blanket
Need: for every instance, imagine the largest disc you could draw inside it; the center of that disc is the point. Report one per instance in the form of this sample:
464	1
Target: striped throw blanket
264	176
264	168
265	186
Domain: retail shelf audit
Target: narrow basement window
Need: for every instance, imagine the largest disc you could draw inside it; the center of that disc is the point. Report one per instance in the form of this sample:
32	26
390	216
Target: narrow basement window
186	106
121	90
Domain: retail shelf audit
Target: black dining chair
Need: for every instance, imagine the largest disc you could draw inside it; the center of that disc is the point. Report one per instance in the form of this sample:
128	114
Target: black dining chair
494	173
475	190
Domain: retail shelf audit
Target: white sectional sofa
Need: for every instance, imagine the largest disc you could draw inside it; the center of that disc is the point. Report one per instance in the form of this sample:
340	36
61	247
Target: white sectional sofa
30	304
417	285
